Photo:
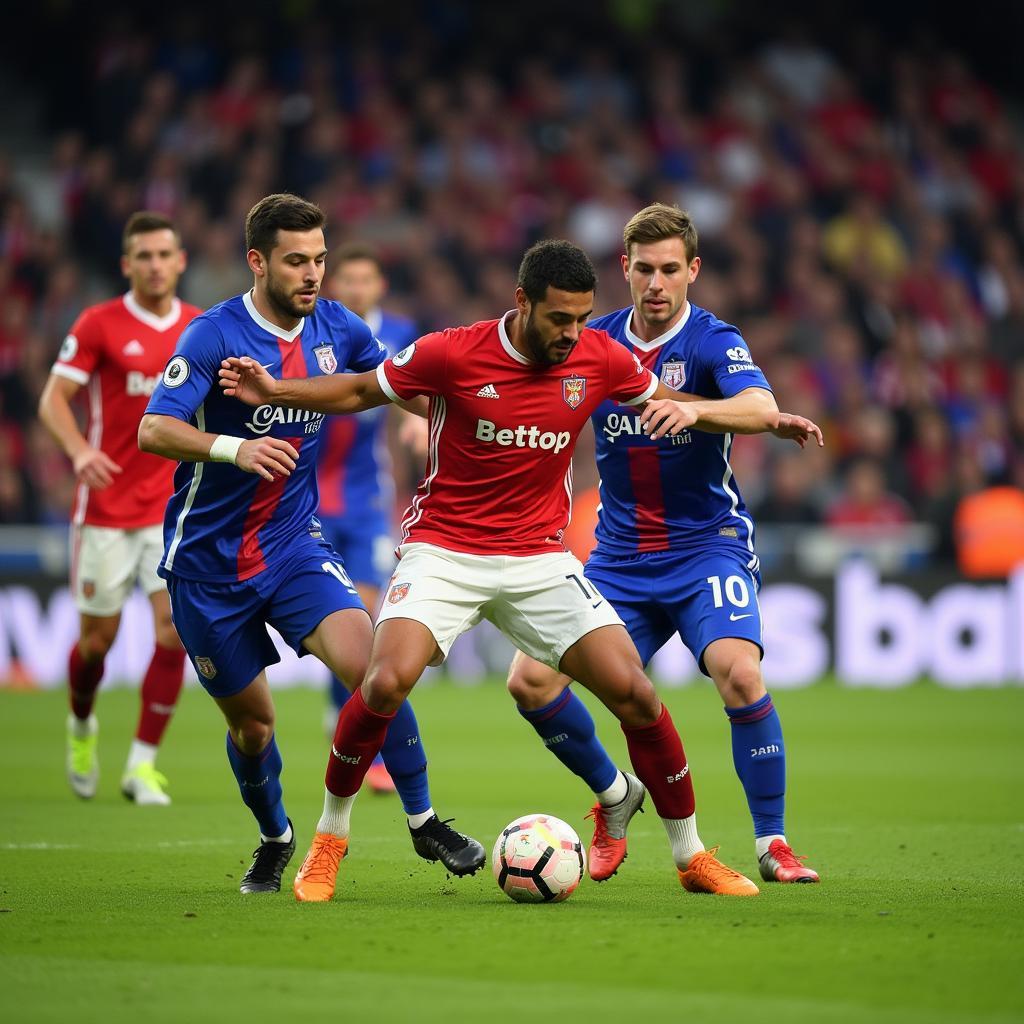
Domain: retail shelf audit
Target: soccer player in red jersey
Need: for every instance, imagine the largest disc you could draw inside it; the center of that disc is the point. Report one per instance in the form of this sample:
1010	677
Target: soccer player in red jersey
117	351
483	537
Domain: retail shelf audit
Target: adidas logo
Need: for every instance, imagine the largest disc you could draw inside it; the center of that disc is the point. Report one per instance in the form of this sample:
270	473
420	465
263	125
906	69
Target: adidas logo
134	348
488	391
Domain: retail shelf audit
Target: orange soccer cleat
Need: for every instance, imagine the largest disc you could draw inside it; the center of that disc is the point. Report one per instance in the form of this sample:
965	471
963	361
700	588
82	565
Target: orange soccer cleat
781	864
608	847
315	880
378	778
705	873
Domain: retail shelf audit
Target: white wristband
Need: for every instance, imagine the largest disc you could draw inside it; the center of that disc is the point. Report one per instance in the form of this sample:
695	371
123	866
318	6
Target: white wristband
225	448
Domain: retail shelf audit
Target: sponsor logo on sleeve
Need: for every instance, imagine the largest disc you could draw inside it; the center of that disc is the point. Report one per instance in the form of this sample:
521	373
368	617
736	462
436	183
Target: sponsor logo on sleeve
743	367
177	372
325	358
69	349
401	358
738	354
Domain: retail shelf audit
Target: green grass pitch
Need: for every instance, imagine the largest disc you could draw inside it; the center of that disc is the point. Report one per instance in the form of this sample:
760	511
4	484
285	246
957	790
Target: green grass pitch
909	804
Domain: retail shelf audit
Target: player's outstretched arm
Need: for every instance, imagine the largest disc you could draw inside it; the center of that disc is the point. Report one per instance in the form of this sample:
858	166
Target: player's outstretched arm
798	428
752	411
172	438
245	379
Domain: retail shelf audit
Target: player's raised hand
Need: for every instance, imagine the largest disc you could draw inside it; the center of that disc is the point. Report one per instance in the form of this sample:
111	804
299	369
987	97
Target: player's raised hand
798	428
266	457
95	469
245	379
663	416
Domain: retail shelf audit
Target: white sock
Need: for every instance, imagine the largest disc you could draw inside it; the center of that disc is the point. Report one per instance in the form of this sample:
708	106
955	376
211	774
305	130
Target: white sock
284	837
615	793
140	753
82	727
418	820
337	810
682	834
763	842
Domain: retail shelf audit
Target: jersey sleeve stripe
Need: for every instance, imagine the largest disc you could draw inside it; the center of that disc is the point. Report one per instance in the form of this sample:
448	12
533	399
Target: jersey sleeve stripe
70	372
385	386
648	391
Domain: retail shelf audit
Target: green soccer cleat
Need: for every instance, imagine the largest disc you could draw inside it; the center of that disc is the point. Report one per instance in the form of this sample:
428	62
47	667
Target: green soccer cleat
82	763
145	786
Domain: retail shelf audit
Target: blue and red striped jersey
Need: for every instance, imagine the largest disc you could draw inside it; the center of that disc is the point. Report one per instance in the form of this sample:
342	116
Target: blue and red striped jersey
676	492
223	524
354	469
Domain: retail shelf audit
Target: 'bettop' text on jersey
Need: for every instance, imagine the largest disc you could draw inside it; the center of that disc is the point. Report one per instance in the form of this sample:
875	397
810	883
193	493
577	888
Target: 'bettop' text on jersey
676	492
502	431
223	524
116	351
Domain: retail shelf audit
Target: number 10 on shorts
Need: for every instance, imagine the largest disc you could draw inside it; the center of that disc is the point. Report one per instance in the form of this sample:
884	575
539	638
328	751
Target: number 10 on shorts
340	575
735	590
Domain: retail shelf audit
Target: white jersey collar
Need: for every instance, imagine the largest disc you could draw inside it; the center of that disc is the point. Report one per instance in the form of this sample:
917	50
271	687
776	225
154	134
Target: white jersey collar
507	345
650	346
273	329
158	323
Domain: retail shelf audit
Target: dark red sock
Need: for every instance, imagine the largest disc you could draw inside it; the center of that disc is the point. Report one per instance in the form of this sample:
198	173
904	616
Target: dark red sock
357	739
160	688
83	681
660	764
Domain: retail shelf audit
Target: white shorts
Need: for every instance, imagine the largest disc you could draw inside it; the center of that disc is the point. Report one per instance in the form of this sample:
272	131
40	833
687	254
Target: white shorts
107	562
542	603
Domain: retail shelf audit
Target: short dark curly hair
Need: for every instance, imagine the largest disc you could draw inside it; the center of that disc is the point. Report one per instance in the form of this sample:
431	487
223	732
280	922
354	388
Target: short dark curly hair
555	263
279	212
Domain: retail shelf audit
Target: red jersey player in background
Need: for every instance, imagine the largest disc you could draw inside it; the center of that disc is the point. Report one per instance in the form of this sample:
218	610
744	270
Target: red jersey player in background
483	537
117	350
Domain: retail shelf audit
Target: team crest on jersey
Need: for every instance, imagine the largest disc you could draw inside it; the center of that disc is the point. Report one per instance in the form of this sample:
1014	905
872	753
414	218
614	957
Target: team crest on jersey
325	358
574	390
206	667
673	374
398	592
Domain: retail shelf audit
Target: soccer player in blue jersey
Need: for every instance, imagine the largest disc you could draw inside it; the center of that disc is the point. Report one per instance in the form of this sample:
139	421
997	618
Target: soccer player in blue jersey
675	543
354	469
243	546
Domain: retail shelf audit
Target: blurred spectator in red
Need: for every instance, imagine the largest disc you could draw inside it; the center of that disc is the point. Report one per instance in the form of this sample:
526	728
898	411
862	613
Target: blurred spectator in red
865	500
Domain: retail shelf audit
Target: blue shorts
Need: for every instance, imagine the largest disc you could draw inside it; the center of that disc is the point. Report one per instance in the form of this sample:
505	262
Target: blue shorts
365	546
703	597
223	626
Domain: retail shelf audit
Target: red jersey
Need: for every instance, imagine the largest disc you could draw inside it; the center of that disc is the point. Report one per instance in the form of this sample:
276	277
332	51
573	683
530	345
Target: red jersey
502	432
118	350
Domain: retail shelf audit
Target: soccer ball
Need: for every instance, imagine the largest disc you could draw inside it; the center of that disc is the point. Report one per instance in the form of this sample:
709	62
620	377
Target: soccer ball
538	858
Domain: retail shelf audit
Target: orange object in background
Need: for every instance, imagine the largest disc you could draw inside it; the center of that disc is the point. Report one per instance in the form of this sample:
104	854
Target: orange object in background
579	534
989	532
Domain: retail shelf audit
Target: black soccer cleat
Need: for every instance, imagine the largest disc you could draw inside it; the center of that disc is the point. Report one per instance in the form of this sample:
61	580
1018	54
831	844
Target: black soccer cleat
268	864
437	840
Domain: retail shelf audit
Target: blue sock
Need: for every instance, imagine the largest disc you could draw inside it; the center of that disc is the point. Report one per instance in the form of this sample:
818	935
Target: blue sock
760	759
339	692
339	697
406	760
259	780
568	732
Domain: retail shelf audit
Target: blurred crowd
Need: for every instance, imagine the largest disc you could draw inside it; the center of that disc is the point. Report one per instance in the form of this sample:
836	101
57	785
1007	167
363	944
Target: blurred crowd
860	207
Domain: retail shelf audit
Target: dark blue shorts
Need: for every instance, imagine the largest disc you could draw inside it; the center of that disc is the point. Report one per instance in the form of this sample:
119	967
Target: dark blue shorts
223	626
703	597
365	546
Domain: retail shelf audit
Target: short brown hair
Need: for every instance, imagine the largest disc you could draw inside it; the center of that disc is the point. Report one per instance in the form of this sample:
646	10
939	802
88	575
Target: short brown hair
352	251
281	211
659	221
143	221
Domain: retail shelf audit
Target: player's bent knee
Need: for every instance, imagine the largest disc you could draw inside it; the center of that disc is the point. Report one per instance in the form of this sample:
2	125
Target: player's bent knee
635	701
531	684
385	688
252	735
742	684
95	645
